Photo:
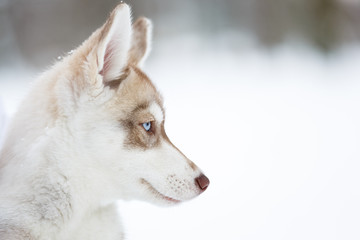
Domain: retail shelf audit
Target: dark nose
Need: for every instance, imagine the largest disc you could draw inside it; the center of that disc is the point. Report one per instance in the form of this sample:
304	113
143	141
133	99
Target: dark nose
202	181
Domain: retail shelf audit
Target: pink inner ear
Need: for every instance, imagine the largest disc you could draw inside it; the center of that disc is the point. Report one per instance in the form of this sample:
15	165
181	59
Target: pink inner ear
109	53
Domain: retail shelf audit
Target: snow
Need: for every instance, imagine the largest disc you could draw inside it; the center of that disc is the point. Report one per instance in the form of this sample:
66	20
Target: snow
277	133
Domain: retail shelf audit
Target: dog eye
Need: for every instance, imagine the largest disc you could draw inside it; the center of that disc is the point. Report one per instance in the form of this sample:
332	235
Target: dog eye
147	126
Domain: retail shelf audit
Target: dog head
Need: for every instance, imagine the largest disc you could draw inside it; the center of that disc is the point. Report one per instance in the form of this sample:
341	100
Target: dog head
118	116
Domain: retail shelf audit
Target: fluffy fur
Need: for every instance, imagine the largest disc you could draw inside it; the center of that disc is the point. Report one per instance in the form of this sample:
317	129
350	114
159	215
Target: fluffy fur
77	143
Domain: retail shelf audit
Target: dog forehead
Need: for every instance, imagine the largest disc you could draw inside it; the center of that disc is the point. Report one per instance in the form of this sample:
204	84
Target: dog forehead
137	95
139	86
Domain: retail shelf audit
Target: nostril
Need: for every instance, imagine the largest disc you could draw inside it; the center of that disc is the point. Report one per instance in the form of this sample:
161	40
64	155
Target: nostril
202	181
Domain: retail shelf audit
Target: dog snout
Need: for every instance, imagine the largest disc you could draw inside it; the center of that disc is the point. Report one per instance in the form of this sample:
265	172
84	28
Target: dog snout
202	181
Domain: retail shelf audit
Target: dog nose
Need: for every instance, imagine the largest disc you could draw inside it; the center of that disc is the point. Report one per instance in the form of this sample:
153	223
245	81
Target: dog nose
202	181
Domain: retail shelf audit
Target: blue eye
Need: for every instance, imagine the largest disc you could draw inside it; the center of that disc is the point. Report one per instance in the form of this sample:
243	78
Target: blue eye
147	126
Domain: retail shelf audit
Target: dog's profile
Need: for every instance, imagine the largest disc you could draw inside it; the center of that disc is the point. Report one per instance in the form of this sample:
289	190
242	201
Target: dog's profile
90	132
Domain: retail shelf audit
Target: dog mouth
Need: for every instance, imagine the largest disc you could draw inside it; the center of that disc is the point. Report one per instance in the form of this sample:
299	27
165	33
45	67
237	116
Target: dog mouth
157	193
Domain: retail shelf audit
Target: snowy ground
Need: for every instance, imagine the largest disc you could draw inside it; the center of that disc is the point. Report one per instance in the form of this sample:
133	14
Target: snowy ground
277	133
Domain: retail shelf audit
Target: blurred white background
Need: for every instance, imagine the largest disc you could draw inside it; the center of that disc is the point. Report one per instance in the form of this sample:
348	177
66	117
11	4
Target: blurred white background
264	97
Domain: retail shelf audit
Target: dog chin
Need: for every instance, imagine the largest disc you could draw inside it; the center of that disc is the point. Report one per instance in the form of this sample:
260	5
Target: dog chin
157	197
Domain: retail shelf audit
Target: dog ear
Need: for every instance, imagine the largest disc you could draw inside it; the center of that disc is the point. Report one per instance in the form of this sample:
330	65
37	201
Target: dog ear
141	41
114	43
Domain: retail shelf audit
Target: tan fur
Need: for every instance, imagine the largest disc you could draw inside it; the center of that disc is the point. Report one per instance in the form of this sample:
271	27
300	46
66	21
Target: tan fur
140	41
144	91
138	87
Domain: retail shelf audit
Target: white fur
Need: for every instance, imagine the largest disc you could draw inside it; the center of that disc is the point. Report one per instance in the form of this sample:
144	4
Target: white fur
65	161
112	55
156	111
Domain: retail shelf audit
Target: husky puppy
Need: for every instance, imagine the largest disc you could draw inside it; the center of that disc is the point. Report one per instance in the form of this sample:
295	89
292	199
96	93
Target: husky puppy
90	132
